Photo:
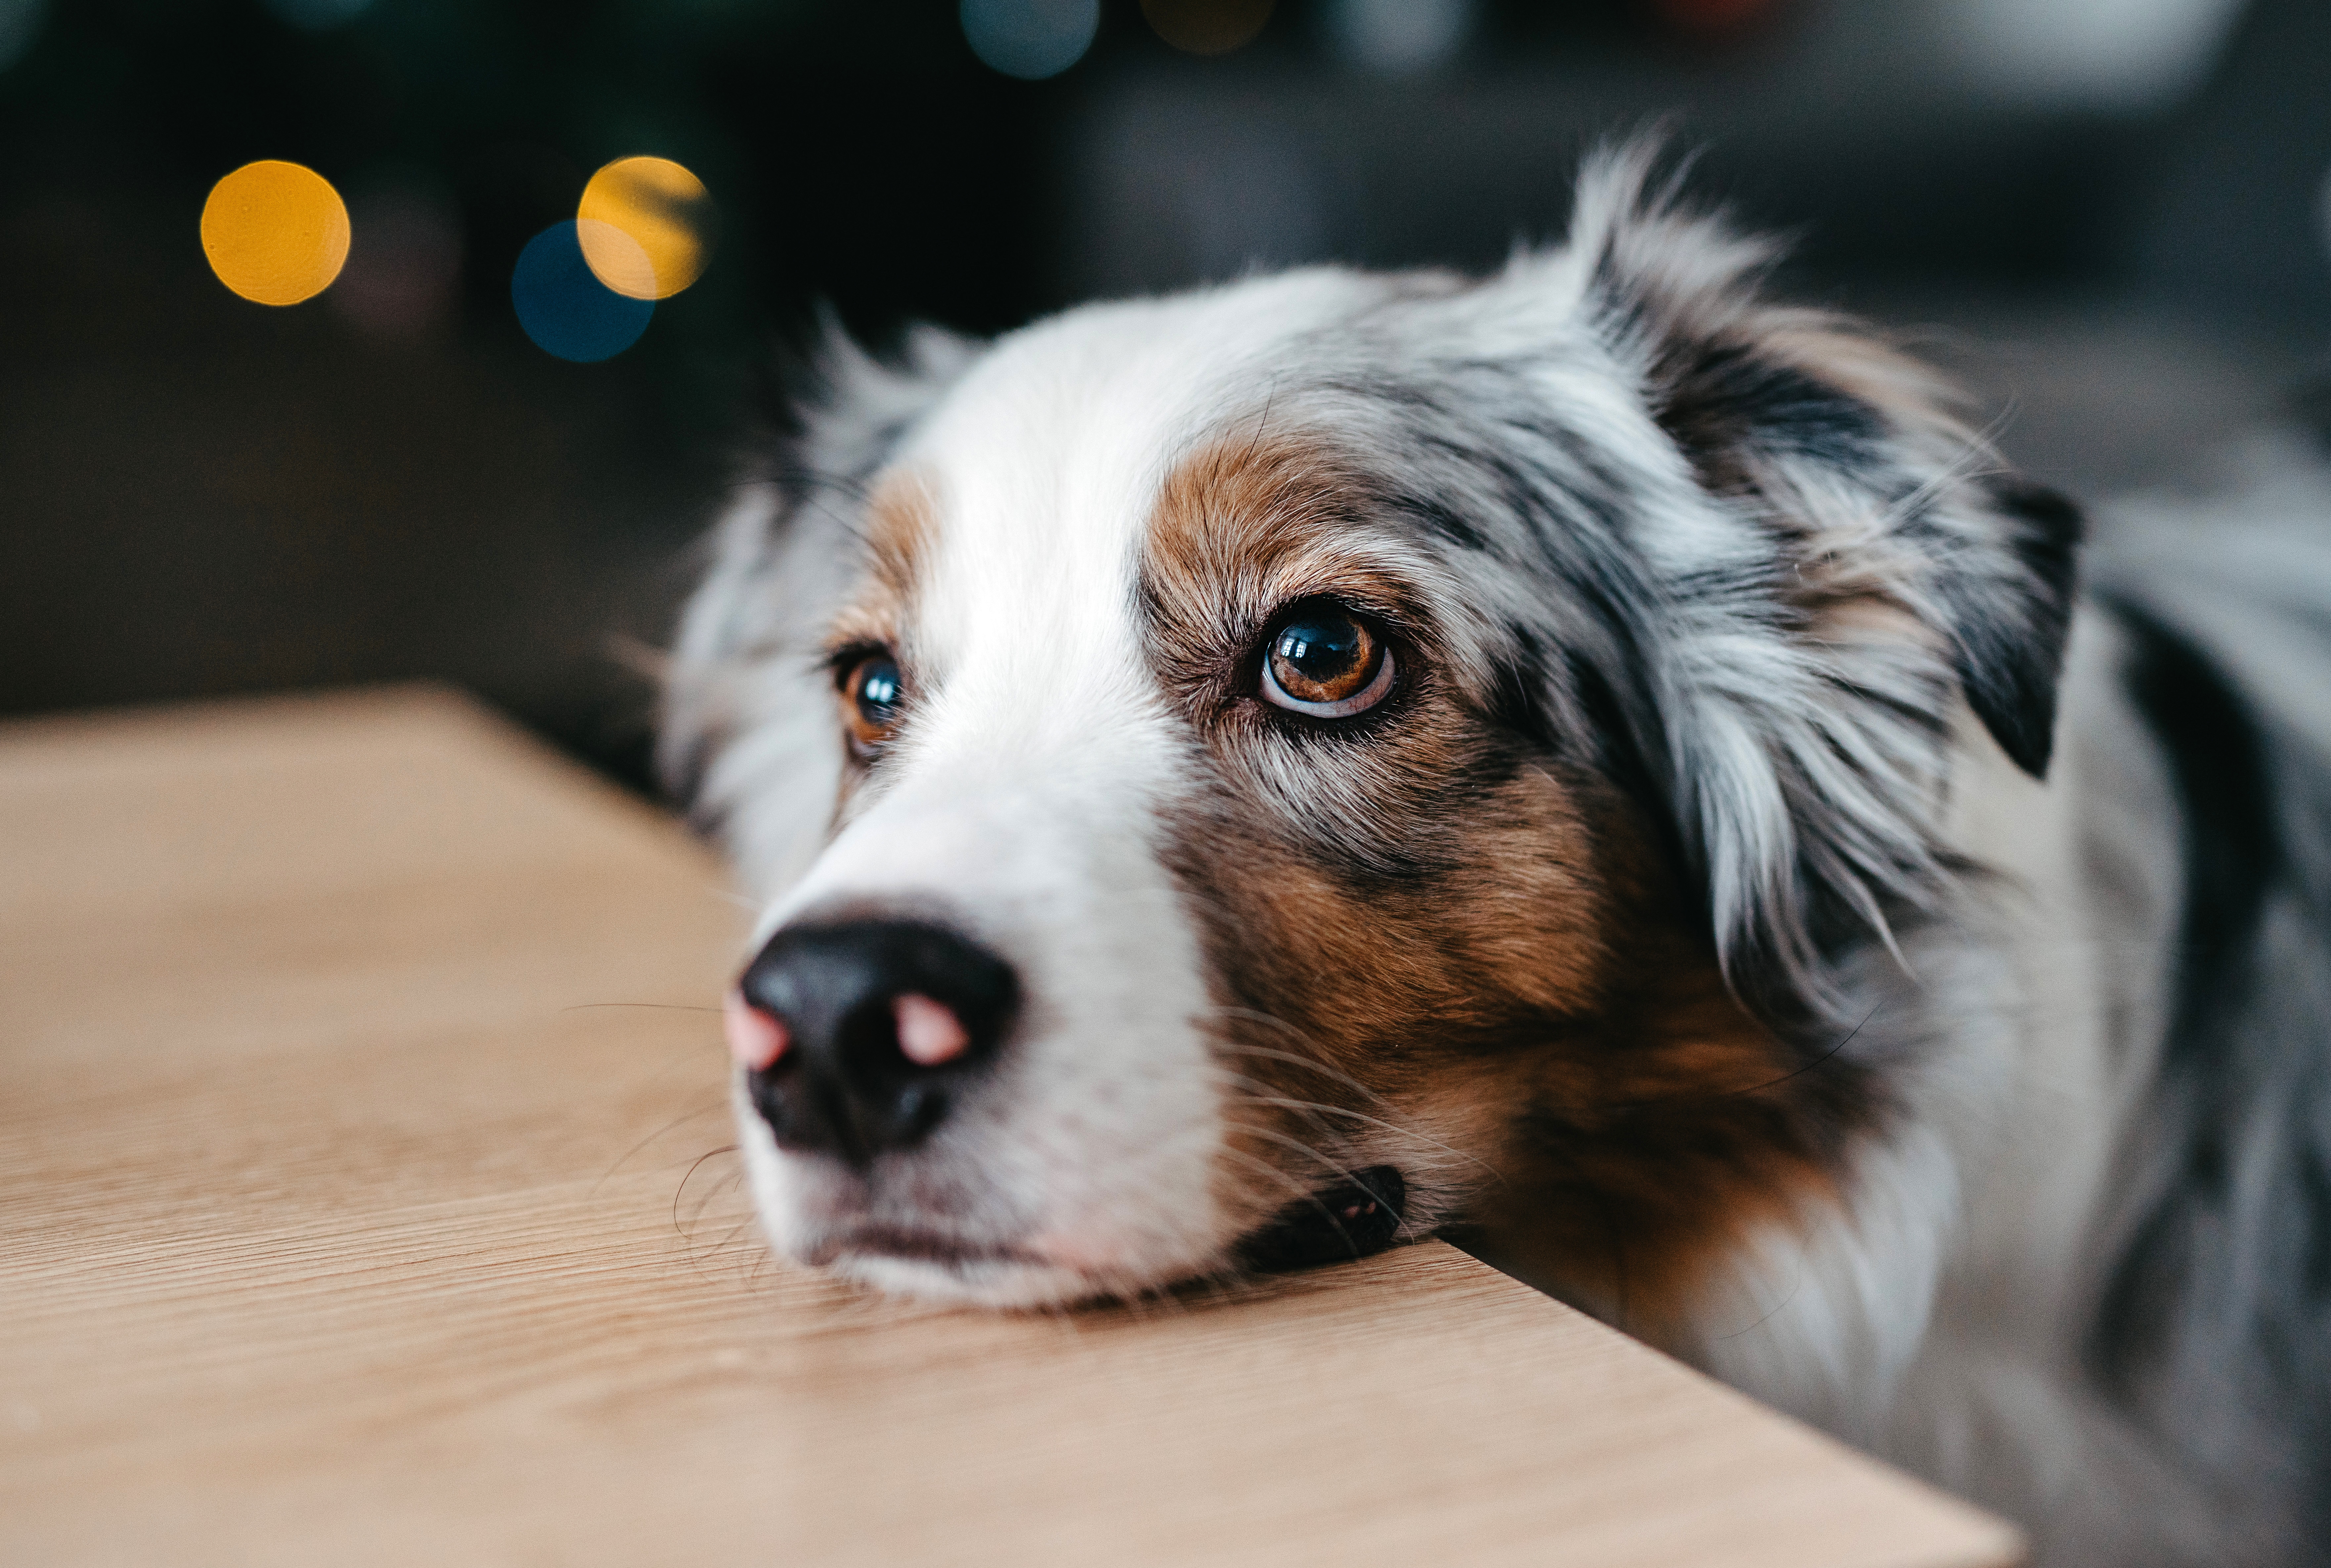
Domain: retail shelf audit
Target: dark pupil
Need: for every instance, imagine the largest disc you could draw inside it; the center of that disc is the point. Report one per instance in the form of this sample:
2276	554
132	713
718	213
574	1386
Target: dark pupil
878	691
1320	648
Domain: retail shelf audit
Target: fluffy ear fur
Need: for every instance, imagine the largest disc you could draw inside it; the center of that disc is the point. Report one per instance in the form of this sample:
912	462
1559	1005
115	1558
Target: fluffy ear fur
1897	563
736	726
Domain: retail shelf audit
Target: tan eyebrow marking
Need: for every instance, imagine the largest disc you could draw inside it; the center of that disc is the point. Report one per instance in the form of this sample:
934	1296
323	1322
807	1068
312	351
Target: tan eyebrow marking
900	528
1241	528
901	524
1239	522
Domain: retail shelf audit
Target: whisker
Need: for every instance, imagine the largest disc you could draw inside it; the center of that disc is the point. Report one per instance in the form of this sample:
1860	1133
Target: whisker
1266	1053
734	1231
1258	1092
692	1169
689	1116
1411	1133
1794	1289
712	1195
1298	1145
1256	1163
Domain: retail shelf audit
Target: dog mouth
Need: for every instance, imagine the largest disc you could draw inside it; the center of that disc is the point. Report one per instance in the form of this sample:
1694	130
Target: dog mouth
1340	1224
911	1244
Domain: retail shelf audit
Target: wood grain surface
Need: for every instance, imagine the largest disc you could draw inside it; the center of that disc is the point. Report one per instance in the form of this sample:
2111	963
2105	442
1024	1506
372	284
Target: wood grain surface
363	1200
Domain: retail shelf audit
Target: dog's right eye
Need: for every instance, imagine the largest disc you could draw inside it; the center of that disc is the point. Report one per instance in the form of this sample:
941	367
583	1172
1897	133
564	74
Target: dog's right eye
1324	662
872	695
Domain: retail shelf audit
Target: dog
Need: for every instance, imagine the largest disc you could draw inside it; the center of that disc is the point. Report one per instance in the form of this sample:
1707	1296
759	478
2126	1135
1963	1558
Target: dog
1590	759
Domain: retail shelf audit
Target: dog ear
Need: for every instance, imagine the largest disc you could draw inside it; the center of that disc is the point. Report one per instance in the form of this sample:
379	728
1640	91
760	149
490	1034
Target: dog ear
1778	407
745	720
2010	626
1875	562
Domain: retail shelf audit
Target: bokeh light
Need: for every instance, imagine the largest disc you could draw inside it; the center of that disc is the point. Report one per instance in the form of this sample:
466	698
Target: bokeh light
1207	26
646	227
1400	37
275	233
1030	38
561	302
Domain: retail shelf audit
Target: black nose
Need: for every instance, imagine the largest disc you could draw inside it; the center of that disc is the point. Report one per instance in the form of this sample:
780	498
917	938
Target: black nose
846	1083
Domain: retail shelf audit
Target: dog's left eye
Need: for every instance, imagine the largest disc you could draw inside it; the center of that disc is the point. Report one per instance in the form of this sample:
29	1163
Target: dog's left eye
873	694
1324	662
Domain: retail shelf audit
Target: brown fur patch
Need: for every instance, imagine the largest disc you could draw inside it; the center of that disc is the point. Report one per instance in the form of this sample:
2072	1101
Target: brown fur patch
900	526
1434	947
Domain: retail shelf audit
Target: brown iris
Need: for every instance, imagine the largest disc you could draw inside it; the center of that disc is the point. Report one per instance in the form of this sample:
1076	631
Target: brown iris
872	695
1323	660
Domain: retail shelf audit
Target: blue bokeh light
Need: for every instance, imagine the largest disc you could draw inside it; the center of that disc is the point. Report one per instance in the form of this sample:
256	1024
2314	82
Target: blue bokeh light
1030	38
564	308
1400	37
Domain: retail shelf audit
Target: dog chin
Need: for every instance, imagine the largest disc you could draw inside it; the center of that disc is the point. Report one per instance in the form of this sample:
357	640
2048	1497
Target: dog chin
1047	1272
996	1283
818	1217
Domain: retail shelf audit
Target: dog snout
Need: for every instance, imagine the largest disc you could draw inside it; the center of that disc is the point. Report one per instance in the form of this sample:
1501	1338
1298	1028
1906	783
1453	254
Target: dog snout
858	1036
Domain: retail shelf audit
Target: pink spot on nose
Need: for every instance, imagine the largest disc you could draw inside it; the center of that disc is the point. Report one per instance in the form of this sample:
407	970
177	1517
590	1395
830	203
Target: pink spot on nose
755	1038
929	1033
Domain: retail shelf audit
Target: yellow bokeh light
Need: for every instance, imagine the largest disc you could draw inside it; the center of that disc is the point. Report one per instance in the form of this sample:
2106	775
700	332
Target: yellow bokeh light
612	254
663	211
275	233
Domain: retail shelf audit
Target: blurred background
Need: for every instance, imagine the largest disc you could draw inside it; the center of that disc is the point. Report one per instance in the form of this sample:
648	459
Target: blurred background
2113	217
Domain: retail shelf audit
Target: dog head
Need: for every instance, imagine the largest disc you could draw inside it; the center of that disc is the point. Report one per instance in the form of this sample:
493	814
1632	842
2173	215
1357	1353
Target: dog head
1221	758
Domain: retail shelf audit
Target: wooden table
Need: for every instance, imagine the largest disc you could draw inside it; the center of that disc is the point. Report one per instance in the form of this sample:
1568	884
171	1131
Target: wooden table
364	1199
